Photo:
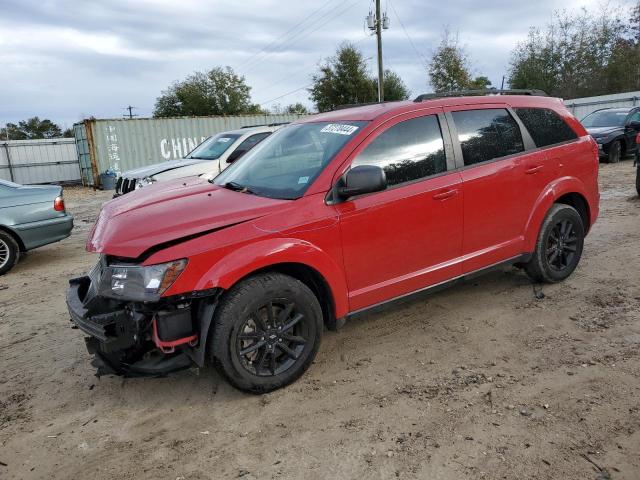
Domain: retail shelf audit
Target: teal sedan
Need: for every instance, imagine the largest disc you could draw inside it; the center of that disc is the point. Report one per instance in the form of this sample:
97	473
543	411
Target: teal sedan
30	216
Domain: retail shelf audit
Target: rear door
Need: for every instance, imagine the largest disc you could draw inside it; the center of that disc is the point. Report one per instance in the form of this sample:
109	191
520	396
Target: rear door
489	145
408	236
554	153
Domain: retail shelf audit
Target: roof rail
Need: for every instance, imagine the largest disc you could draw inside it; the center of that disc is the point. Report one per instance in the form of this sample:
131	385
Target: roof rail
266	125
479	93
354	105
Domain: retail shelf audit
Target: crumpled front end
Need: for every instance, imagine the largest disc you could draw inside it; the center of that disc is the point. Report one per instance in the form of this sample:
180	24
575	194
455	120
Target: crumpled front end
139	338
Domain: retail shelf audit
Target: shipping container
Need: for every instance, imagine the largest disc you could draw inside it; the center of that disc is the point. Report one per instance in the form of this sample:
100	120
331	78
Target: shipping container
581	107
39	161
124	144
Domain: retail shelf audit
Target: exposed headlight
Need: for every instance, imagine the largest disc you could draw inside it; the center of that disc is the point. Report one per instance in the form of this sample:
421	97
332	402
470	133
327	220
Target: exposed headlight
139	283
143	182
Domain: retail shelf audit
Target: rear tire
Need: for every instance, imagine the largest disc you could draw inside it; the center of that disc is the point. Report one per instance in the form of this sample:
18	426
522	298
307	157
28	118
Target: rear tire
559	245
9	252
615	152
266	332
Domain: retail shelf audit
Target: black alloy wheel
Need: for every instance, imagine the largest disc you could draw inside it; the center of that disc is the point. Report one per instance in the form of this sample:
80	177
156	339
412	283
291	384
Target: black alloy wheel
272	338
266	332
562	245
559	245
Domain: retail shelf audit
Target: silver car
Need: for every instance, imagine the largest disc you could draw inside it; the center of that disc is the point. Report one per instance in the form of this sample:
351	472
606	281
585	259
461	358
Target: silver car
30	216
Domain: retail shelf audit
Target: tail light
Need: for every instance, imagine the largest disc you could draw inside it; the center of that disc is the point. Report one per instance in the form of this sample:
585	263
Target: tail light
638	139
58	204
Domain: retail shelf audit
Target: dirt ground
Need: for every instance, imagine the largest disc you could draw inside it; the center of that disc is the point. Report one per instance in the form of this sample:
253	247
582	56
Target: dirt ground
484	380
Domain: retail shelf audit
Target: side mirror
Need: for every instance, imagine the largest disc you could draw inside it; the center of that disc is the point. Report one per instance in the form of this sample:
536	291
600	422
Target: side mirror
362	179
635	125
235	155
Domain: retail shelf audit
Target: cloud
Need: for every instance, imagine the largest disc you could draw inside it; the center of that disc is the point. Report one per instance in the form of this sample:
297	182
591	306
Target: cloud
65	59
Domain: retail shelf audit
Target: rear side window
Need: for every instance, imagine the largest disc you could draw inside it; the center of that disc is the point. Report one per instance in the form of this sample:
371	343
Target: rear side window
487	134
545	126
408	151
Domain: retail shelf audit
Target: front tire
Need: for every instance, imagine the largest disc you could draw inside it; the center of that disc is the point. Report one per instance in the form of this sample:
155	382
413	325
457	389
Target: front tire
9	252
615	152
266	332
559	245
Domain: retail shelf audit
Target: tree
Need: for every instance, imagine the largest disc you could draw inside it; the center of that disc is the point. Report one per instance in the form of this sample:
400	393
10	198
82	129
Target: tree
580	55
480	83
449	67
69	133
216	92
298	108
394	87
344	79
31	129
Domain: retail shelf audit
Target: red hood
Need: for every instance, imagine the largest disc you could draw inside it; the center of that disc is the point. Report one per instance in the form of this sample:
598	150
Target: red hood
133	223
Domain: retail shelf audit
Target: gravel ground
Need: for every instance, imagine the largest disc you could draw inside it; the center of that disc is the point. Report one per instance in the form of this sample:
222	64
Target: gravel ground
484	380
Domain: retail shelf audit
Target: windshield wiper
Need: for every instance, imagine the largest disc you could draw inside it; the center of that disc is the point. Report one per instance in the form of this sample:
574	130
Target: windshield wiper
236	187
200	158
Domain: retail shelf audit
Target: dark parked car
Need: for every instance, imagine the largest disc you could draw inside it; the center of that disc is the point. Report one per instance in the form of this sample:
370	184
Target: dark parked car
615	130
330	217
30	216
637	165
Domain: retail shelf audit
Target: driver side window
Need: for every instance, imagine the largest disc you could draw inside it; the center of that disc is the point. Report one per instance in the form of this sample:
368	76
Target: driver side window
408	151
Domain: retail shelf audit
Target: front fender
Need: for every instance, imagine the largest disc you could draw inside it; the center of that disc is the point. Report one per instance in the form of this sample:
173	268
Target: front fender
269	252
545	201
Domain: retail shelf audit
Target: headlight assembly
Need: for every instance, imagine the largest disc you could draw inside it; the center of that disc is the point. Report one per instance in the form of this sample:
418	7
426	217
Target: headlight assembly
139	283
143	182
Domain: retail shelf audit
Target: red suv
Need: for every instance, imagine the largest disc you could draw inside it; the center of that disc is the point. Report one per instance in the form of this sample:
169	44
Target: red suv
329	217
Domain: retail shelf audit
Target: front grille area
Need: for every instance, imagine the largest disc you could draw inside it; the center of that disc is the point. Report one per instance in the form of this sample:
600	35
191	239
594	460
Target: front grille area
119	185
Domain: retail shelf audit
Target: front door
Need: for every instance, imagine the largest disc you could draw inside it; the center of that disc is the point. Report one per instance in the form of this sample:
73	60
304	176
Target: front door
408	236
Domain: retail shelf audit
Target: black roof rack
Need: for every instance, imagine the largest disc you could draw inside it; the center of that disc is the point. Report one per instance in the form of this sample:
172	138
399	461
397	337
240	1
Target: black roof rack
479	93
263	125
354	105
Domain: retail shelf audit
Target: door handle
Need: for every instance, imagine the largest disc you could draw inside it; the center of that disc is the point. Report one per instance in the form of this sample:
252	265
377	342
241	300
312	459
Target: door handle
445	195
532	170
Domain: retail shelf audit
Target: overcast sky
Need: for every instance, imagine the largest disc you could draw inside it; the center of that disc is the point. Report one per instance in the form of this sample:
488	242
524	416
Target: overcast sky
69	59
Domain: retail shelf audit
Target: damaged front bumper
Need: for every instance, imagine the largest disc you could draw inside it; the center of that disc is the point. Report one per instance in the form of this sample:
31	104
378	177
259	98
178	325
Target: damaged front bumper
141	339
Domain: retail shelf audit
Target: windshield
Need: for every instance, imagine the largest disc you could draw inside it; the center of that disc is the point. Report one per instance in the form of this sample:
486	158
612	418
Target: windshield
605	119
212	148
286	163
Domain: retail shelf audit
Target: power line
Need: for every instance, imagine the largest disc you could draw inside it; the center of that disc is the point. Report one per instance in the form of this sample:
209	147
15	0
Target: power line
305	32
287	94
277	40
421	58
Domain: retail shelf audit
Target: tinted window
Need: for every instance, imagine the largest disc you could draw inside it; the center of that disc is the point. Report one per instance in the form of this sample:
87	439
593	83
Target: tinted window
545	126
487	134
635	117
252	141
407	151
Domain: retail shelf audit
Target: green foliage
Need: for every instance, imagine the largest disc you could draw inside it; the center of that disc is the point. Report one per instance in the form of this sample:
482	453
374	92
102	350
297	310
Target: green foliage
449	67
298	108
216	92
580	55
30	129
480	83
344	79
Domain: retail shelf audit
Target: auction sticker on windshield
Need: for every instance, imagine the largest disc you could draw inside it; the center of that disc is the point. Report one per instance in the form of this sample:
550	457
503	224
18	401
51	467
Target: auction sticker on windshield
339	129
223	140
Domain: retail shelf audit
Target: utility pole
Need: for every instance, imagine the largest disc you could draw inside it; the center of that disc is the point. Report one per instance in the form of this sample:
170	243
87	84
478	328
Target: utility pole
131	114
377	23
